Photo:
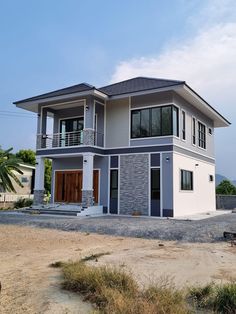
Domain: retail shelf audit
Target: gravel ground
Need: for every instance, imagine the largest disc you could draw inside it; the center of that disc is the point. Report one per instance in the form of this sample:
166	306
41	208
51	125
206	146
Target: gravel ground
207	230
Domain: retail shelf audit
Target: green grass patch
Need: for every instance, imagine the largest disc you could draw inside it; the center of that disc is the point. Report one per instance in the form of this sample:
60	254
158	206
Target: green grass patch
216	298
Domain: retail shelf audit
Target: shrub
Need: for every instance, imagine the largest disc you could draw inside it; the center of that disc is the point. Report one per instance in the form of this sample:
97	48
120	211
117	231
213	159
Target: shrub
220	299
225	298
23	202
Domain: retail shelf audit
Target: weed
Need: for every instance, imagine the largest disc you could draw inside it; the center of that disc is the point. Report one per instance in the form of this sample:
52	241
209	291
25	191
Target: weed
93	257
57	264
23	202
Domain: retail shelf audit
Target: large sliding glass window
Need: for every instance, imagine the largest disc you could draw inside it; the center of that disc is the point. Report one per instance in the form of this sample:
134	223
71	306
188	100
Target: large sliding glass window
157	121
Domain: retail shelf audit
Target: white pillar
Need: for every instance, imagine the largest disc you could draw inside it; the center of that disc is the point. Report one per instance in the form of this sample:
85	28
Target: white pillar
87	190
39	174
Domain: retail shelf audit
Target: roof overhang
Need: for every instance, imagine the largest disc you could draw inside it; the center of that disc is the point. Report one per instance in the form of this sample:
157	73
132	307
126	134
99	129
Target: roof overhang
33	105
197	101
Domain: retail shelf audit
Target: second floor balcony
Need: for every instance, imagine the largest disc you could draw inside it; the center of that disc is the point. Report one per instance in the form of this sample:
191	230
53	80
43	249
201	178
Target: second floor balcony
67	139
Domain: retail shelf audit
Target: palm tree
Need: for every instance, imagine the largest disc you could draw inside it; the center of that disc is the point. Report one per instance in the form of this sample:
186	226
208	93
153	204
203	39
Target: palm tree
9	165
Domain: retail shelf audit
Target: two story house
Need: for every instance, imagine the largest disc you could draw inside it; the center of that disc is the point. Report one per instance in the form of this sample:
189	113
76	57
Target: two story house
141	146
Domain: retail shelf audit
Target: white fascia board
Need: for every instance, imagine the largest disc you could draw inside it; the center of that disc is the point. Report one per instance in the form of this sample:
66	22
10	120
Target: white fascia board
26	166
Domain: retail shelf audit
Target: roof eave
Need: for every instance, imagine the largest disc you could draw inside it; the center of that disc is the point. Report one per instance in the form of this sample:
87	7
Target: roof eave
146	91
32	104
219	119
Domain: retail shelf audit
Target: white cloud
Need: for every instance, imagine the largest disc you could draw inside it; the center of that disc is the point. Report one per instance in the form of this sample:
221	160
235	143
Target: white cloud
207	62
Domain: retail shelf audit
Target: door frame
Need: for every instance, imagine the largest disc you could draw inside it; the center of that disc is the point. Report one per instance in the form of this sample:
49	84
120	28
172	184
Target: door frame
59	126
150	191
61	170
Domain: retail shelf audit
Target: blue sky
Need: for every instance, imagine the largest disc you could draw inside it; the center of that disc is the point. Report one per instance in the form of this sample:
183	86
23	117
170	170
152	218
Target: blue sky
46	45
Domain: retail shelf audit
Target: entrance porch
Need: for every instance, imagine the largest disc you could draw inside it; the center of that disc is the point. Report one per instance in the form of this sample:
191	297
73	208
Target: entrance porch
79	180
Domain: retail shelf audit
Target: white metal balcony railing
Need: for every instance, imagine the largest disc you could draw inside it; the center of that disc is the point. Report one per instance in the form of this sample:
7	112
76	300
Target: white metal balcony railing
66	139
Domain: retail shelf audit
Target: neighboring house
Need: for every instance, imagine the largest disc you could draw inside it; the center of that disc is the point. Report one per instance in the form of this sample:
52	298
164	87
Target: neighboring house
27	181
143	145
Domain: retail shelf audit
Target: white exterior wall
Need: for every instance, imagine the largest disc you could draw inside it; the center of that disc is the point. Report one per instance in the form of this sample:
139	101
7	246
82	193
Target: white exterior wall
202	198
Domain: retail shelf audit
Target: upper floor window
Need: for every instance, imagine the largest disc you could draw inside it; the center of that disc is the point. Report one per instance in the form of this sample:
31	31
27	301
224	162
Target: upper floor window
193	131
201	135
156	121
183	126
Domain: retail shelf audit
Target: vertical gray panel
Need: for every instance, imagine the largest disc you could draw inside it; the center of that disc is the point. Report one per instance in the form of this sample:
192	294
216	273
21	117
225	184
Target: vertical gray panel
101	163
89	113
134	184
99	110
167	182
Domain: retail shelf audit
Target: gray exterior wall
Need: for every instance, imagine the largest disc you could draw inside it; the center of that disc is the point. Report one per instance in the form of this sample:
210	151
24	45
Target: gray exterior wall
76	163
225	201
190	112
134	184
117	123
167	184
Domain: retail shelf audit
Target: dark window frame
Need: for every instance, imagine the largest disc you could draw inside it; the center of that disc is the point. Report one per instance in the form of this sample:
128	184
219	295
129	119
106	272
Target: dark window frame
194	131
112	188
201	135
184	184
183	125
140	136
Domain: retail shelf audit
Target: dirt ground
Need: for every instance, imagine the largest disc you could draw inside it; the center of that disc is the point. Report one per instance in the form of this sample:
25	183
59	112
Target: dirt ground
29	285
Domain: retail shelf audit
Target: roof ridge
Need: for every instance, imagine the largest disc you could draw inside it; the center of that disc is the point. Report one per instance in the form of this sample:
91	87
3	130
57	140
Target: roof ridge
142	77
160	79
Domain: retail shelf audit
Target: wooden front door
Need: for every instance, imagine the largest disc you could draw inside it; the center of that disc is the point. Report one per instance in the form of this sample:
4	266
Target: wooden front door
68	186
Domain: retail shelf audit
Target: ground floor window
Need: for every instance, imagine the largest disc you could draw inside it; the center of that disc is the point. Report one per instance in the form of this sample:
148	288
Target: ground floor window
186	180
155	192
114	191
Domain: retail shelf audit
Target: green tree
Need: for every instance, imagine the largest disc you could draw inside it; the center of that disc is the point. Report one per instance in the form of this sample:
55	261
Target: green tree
226	188
48	175
9	165
27	156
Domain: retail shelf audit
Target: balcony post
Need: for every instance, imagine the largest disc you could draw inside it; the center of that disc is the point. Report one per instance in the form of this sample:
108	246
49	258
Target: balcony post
87	189
39	181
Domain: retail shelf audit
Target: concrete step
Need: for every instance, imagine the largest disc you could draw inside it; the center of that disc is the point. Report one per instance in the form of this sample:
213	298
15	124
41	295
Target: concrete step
59	212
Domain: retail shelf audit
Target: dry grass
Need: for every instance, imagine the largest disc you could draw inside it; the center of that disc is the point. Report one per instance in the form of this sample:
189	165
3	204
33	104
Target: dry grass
112	290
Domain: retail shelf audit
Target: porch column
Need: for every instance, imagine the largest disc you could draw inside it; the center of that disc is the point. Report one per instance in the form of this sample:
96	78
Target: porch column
87	190
39	181
88	132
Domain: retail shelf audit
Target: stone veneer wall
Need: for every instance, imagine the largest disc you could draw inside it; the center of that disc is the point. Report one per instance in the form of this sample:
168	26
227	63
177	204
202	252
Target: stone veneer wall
88	137
87	198
134	184
38	197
